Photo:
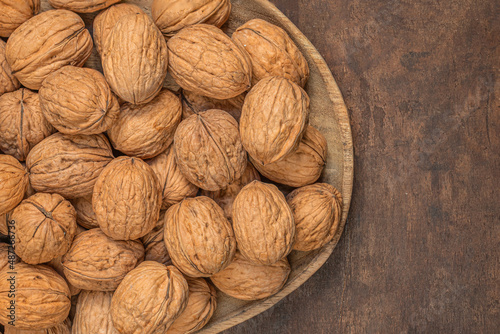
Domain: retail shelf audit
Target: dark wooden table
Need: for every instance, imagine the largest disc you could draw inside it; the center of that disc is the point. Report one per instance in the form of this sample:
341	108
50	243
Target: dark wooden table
420	253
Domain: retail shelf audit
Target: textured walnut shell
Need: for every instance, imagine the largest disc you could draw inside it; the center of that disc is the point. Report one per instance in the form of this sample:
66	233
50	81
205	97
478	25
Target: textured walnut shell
93	313
204	60
85	215
146	130
13	13
272	51
13	183
199	239
243	279
61	328
78	101
68	165
57	265
45	227
8	82
193	103
151	296
274	117
208	149
154	246
263	223
302	167
22	124
45	43
173	15
42	296
82	6
97	262
135	59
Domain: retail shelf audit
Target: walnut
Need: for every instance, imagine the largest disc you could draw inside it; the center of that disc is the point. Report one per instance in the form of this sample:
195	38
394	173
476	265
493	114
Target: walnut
243	279
22	124
78	101
68	165
150	296
199	238
93	313
263	223
155	249
193	103
274	117
45	43
8	82
272	51
204	60
208	149
146	130
97	262
135	59
14	13
57	265
61	328
82	6
302	167
13	183
85	215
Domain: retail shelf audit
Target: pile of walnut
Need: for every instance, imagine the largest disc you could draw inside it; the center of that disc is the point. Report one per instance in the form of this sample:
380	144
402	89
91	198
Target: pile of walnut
131	196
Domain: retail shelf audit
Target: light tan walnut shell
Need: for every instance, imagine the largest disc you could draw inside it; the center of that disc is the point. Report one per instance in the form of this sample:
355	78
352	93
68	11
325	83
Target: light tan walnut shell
97	262
135	58
263	223
302	167
68	165
243	279
45	43
193	103
204	60
85	215
93	313
208	149
13	13
82	6
272	51
13	183
78	101
61	328
199	239
151	296
8	82
274	117
57	265
154	246
146	130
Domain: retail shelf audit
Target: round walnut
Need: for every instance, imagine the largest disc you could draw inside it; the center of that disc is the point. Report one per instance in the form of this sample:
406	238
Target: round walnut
151	296
57	265
243	279
146	130
61	328
45	43
263	223
272	51
97	262
193	103
34	285
82	6
135	58
205	61
154	246
13	13
78	101
208	149
85	215
13	183
127	199
68	165
199	239
8	82
93	313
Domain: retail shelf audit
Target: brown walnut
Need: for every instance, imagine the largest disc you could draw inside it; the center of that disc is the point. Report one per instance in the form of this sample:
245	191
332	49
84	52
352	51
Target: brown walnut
13	183
82	6
93	313
8	82
193	103
13	13
85	215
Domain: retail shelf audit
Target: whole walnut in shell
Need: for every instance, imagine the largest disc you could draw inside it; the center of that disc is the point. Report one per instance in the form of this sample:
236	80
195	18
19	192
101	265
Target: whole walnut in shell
13	183
82	6
68	165
45	43
85	215
78	101
154	246
204	60
146	130
8	82
199	239
193	103
135	59
243	279
93	313
274	117
13	13
263	223
208	149
151	296
57	265
302	167
97	262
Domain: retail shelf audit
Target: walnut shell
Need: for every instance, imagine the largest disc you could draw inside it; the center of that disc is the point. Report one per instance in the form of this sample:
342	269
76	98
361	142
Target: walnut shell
274	117
22	124
42	297
82	6
263	223
243	279
61	328
68	165
208	150
93	313
272	51
199	239
204	60
173	15
57	265
13	183
45	43
78	101
97	262
151	296
85	215
302	167
14	13
135	59
8	82
193	103
146	130
154	246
